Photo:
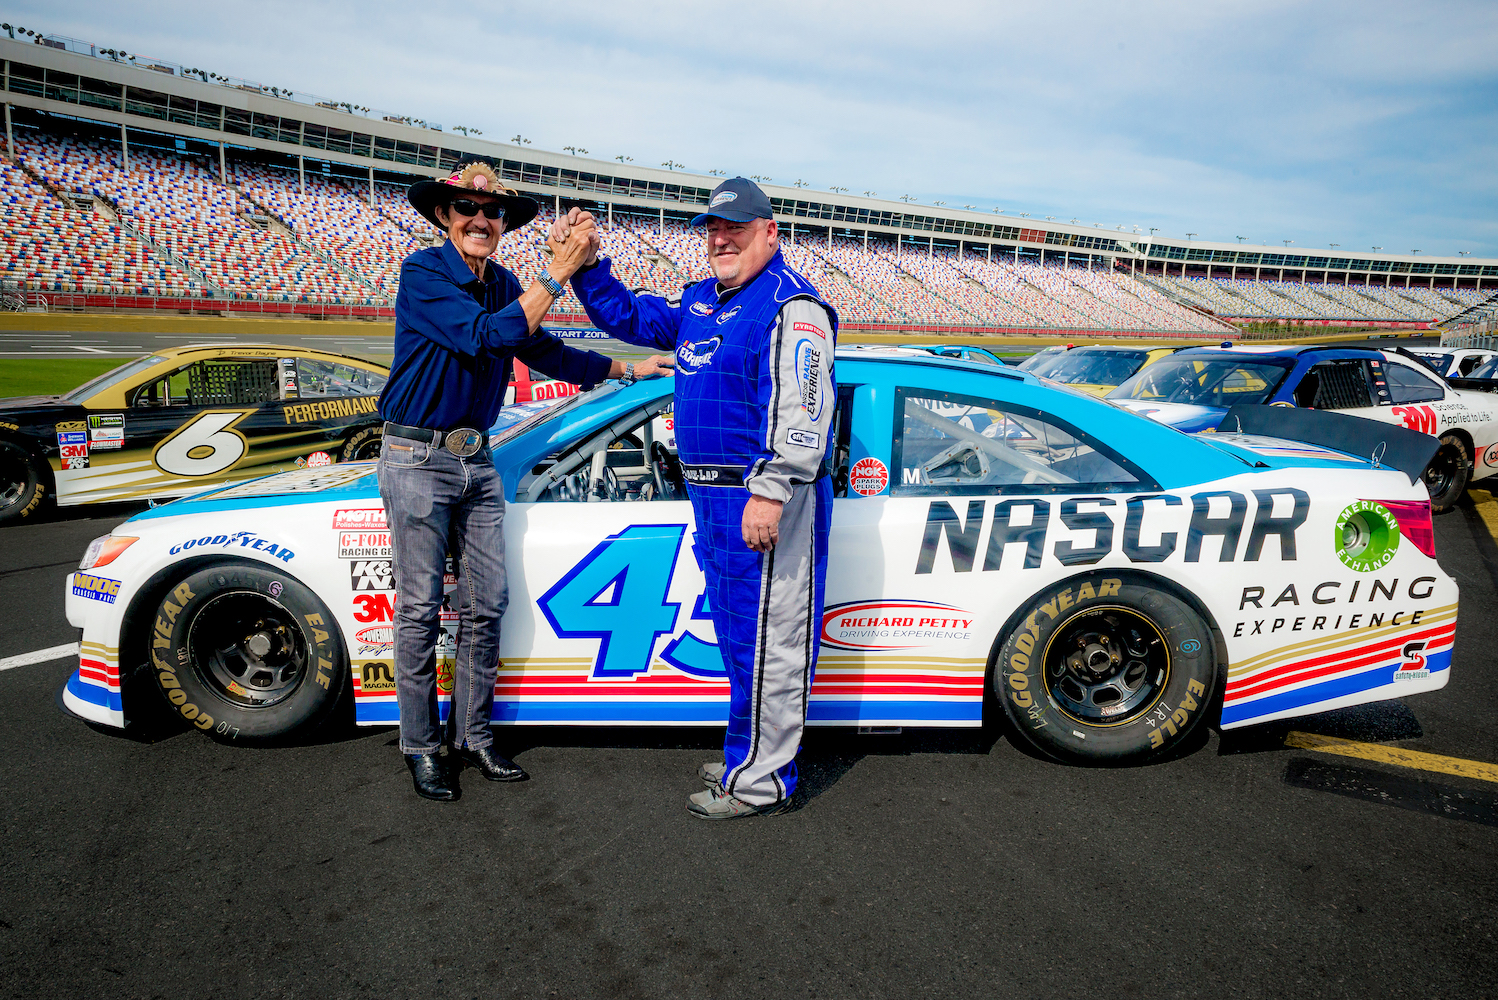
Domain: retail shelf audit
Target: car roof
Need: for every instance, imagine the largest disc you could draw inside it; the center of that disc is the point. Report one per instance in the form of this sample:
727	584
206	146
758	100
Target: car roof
262	350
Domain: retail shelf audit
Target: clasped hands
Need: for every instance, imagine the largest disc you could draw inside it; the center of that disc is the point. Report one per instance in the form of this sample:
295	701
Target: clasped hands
573	240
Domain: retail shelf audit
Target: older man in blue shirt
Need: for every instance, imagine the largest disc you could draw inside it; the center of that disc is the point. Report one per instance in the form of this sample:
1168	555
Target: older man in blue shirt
460	320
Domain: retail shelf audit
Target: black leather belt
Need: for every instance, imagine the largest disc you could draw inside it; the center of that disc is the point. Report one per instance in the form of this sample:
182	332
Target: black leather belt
461	441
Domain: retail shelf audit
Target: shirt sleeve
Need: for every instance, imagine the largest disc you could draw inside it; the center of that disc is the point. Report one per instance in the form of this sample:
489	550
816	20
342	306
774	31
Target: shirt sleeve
797	396
550	356
643	320
433	306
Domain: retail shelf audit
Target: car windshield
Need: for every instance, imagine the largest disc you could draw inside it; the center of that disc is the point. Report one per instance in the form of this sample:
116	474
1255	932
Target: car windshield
1204	381
110	378
1440	362
1488	369
1093	367
1041	360
506	428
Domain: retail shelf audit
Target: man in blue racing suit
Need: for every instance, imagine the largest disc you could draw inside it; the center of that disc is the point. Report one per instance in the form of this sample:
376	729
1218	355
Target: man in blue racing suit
754	398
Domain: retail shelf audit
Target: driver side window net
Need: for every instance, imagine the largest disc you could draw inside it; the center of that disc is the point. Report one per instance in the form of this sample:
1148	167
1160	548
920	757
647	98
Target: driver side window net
960	444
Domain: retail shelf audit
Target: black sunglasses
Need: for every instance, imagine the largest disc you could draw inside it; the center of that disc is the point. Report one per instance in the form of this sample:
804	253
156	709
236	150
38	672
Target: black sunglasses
468	208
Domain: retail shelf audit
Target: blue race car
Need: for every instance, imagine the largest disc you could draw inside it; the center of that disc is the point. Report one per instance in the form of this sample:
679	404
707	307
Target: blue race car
962	352
1193	389
1103	580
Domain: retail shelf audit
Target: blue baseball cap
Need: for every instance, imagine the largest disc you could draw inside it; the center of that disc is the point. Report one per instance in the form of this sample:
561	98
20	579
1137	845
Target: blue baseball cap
737	199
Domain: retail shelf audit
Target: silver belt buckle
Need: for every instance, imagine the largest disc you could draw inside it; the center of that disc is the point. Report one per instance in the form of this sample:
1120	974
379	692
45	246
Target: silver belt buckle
464	442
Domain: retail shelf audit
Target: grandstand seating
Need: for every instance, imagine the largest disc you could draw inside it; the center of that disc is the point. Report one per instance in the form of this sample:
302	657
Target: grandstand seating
267	234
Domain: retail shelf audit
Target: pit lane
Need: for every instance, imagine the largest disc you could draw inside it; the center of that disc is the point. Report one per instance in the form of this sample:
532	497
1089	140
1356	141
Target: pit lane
943	864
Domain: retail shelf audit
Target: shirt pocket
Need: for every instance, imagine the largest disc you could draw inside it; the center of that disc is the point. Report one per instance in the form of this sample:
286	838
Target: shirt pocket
404	453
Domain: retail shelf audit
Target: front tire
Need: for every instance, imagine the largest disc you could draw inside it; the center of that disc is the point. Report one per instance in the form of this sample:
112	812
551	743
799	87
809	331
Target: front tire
23	484
1447	474
247	654
1101	668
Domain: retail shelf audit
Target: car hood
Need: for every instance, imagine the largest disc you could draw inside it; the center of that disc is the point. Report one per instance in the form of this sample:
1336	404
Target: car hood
30	402
1186	417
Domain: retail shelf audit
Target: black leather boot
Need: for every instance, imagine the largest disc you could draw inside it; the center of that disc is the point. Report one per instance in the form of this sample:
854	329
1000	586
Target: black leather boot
429	777
492	766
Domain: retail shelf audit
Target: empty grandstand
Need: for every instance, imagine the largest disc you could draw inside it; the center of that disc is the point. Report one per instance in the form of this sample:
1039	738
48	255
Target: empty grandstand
126	185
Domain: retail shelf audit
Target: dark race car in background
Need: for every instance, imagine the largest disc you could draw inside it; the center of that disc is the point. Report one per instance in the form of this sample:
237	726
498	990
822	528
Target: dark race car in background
1193	389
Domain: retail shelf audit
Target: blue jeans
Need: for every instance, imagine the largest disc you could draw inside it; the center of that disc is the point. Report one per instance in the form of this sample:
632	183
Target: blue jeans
436	505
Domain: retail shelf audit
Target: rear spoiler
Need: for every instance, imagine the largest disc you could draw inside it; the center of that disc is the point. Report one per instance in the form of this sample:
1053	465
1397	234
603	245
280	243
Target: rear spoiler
1384	444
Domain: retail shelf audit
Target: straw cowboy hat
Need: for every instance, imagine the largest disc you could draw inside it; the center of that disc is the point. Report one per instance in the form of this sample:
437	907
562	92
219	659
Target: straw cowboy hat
473	178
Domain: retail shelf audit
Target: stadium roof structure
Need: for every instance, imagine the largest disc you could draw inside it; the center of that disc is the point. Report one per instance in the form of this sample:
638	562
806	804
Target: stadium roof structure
60	76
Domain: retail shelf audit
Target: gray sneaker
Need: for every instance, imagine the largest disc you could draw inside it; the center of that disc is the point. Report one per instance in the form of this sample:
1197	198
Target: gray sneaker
712	773
715	803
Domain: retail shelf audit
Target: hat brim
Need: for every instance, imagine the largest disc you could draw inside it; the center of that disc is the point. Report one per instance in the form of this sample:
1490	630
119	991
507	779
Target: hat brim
425	196
730	215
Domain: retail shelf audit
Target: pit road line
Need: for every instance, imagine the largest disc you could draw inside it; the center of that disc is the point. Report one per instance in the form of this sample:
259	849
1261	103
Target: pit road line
1392	755
1487	509
39	656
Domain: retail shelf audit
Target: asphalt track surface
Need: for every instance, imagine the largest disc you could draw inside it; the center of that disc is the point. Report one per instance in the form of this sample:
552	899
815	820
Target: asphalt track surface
162	864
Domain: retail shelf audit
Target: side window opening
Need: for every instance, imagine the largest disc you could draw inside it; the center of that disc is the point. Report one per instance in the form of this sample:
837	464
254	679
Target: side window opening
1340	385
947	444
1406	385
842	438
316	379
634	458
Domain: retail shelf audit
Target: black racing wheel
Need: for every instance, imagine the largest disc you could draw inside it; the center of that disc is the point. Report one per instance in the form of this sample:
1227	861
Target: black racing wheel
251	654
362	445
1447	474
1103	668
23	483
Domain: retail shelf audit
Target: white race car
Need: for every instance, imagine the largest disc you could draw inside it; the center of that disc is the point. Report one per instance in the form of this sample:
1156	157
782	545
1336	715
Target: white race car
1105	581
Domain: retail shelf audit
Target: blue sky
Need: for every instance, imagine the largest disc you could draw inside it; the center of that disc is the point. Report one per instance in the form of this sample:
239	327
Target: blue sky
1360	124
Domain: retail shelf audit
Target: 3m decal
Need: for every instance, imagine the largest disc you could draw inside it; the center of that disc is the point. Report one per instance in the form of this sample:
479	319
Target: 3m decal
72	449
371	574
239	539
106	431
1417	418
374	608
95	588
894	624
868	477
617	594
204	446
361	519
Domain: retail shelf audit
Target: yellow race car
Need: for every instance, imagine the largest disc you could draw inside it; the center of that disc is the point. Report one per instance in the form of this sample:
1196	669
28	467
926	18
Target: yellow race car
1098	369
184	419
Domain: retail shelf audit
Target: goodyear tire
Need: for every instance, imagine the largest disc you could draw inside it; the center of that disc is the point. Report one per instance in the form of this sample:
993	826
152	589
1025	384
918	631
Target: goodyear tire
247	654
1101	668
1447	474
23	484
362	445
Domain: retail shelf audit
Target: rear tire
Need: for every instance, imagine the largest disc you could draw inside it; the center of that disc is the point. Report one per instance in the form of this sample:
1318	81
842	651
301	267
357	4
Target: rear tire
362	445
1447	474
23	484
247	654
1110	670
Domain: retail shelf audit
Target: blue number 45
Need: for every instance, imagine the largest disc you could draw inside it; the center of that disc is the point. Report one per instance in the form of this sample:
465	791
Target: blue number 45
617	594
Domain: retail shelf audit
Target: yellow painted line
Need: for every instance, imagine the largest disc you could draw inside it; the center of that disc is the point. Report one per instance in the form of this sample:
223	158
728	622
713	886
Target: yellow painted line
1394	755
1487	509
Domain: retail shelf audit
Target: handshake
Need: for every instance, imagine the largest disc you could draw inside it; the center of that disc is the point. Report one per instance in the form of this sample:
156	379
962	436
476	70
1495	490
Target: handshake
573	241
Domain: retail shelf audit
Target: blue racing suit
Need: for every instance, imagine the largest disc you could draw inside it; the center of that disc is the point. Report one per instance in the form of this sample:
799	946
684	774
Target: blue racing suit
754	399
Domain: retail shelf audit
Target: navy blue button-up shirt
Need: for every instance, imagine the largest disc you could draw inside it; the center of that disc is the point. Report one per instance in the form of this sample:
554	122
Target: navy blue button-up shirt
455	337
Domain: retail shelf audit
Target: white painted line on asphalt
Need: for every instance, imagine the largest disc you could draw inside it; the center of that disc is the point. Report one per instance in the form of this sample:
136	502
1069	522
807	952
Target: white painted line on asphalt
39	656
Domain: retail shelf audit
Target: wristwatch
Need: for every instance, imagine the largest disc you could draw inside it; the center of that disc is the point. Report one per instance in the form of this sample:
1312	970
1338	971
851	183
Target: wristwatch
550	284
628	378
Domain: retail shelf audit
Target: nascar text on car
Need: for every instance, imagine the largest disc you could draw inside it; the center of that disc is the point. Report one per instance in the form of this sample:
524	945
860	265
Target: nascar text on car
1110	582
177	421
1194	387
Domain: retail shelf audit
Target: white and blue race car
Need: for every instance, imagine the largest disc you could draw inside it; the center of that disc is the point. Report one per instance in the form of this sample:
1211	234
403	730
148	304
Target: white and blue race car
999	545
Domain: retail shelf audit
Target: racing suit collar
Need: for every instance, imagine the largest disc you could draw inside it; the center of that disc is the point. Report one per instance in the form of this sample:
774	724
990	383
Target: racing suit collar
722	292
